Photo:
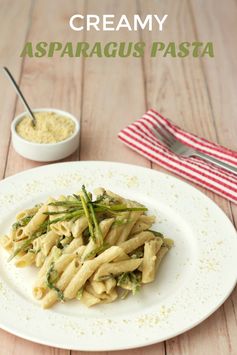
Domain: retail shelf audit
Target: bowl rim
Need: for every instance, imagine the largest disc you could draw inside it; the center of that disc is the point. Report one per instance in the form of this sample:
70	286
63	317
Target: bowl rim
18	118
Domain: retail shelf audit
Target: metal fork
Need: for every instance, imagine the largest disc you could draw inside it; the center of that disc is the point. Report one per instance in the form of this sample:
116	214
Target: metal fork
185	151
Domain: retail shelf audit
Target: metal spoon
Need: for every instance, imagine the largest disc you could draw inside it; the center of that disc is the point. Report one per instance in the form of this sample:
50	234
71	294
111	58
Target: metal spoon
19	93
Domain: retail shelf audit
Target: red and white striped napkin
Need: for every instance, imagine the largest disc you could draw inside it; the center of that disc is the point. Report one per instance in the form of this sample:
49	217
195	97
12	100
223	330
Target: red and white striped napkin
140	137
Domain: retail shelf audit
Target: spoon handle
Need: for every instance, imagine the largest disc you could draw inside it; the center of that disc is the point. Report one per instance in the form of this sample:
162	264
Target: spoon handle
19	93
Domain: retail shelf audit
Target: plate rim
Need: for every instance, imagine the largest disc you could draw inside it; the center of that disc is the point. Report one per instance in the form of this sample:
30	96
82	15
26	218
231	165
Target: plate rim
144	342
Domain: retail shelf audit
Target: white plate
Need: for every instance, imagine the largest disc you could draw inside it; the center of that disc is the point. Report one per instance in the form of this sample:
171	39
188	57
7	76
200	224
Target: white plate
196	277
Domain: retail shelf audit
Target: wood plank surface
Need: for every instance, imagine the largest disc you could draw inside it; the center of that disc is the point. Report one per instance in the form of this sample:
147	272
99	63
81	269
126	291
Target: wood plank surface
111	100
176	87
111	97
220	75
185	81
106	94
221	85
9	49
50	82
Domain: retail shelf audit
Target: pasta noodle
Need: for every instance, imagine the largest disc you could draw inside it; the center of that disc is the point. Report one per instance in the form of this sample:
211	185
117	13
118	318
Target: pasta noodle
136	241
79	226
151	249
143	223
51	297
88	299
88	268
90	250
133	217
25	260
117	268
104	227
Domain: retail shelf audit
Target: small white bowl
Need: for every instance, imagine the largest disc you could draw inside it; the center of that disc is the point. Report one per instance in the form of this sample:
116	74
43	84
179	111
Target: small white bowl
45	152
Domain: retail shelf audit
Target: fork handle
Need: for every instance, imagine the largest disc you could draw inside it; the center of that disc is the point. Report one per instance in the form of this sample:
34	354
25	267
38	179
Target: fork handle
217	162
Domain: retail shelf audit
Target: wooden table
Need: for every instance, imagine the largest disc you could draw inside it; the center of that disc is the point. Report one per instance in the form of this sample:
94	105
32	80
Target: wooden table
106	94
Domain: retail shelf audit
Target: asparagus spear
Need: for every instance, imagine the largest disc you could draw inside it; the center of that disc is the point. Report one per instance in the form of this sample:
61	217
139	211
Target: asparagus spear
87	214
96	224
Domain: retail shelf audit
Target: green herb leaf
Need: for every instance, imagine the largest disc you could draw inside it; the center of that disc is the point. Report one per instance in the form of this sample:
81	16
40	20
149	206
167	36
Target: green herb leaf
97	250
41	230
23	247
105	277
51	278
22	222
136	282
157	234
123	279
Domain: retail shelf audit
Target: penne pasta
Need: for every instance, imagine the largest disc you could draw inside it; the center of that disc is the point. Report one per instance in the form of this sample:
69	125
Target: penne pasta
133	217
149	261
117	229
25	260
79	226
136	241
26	213
143	223
91	250
110	297
62	228
116	268
88	268
48	242
98	286
36	221
19	234
160	256
109	284
89	300
74	245
104	226
51	297
39	259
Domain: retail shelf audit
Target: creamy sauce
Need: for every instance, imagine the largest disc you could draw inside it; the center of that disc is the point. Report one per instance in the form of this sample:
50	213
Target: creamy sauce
50	128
